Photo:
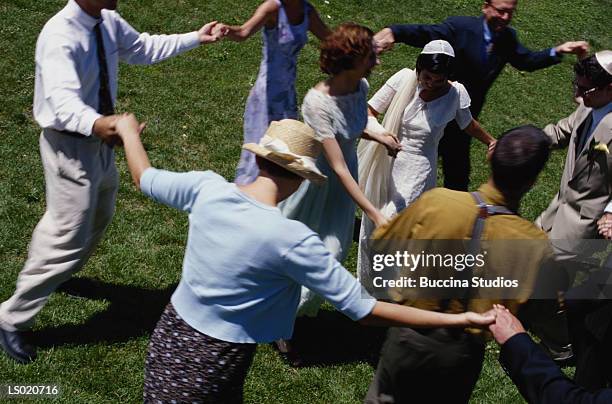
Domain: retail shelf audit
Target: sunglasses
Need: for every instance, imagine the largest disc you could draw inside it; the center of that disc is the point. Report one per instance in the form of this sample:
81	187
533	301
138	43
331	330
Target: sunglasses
502	11
580	90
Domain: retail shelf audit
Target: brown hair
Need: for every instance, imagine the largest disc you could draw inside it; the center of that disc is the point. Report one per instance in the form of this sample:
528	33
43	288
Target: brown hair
275	170
519	156
344	46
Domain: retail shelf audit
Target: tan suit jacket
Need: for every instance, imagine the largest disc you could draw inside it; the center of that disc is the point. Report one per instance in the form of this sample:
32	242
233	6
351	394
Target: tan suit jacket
586	184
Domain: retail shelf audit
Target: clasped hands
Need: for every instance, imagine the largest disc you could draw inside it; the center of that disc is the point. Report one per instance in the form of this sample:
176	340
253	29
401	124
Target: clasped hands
111	129
500	322
604	226
213	31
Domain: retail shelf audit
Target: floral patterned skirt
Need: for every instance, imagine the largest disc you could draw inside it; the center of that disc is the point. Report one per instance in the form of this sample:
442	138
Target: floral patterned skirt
184	365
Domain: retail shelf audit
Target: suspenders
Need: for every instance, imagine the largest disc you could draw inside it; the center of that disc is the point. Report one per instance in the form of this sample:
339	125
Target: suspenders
484	211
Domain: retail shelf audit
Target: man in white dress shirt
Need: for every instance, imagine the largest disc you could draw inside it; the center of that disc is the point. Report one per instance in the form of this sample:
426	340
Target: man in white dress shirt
77	57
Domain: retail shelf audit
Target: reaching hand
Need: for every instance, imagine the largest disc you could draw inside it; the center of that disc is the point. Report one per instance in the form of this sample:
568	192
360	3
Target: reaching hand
210	33
220	30
104	128
127	125
378	219
479	320
579	48
604	225
490	149
384	40
506	325
392	143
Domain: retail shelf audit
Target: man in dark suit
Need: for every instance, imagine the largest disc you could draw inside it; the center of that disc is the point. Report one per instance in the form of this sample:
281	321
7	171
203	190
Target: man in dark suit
535	375
483	45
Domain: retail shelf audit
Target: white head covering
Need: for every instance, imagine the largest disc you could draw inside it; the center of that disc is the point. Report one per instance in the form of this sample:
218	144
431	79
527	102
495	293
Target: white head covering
604	58
438	46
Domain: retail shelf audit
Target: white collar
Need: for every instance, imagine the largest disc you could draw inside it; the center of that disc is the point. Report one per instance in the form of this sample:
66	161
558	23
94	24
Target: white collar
75	12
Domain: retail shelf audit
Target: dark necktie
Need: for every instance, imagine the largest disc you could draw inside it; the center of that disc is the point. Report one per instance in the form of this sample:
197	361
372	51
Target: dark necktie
584	133
105	102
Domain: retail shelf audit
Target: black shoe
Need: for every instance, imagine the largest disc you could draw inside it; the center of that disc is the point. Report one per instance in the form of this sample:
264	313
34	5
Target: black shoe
563	356
289	353
13	344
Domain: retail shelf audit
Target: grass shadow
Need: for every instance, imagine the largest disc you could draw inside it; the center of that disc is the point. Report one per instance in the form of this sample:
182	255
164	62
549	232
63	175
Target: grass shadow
328	339
332	339
133	312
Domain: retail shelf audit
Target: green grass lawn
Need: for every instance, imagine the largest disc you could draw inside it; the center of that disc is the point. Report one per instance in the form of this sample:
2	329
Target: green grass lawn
94	347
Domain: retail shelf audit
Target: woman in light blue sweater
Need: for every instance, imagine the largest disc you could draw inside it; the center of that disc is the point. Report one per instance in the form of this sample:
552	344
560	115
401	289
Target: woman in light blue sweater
244	267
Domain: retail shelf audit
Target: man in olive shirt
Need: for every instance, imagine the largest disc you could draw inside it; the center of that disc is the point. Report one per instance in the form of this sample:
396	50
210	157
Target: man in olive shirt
443	365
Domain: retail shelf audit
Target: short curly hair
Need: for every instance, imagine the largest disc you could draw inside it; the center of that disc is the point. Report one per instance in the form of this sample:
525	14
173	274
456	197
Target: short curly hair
344	46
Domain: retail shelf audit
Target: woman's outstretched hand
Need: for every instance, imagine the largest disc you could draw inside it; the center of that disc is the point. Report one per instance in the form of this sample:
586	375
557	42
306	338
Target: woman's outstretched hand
378	219
128	125
490	149
479	320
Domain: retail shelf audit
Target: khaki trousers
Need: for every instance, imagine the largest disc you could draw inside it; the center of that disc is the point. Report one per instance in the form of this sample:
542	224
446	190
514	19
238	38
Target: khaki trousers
81	186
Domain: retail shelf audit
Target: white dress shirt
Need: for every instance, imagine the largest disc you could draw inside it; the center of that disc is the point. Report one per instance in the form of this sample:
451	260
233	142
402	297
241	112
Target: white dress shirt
67	68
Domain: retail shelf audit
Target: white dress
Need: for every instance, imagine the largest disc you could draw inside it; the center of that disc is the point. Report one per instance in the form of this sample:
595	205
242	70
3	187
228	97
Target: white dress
415	167
328	209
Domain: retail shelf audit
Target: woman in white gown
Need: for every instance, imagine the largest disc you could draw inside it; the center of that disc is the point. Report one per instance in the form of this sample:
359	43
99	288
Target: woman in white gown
418	107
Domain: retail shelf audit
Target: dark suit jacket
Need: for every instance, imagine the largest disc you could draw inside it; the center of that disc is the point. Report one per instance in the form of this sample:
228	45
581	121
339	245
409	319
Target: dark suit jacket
539	379
466	35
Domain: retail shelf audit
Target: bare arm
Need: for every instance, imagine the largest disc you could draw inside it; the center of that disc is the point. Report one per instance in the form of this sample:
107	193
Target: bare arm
253	24
376	132
395	315
387	139
475	130
316	25
129	131
373	112
334	156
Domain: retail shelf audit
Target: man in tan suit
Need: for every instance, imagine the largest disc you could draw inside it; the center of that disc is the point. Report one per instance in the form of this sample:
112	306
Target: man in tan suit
584	197
581	212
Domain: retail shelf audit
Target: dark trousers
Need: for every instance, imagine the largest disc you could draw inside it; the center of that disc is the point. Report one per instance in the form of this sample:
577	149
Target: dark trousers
427	366
592	347
454	150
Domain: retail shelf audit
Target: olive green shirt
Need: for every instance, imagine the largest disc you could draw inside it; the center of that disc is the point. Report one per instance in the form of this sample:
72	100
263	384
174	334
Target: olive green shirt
443	214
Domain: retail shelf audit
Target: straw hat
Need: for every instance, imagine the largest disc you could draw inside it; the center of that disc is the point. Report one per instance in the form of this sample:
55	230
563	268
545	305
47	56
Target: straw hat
292	145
